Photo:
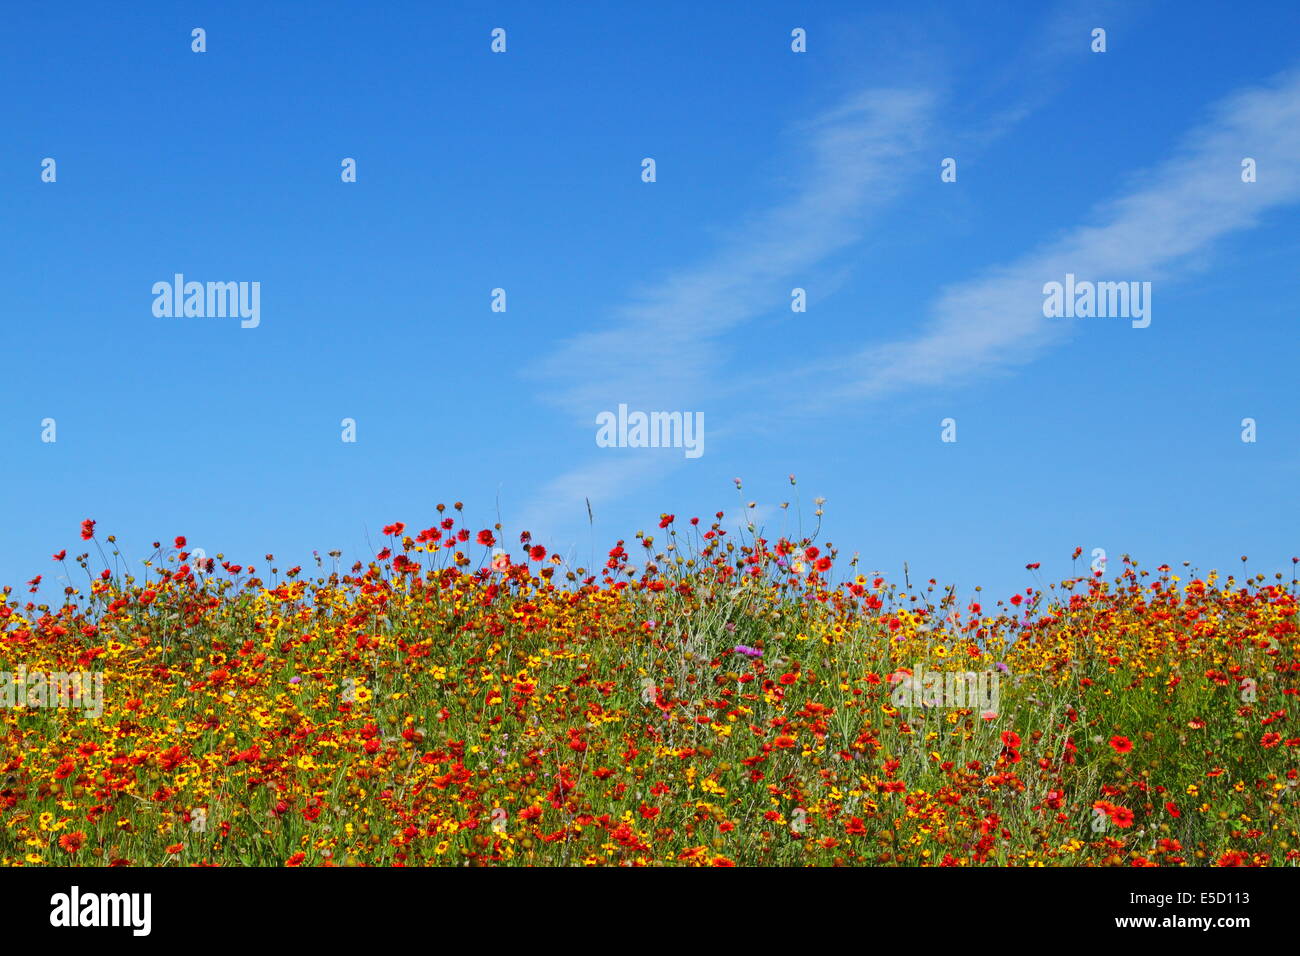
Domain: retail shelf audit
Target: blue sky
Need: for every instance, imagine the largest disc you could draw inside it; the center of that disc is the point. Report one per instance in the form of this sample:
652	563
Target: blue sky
774	170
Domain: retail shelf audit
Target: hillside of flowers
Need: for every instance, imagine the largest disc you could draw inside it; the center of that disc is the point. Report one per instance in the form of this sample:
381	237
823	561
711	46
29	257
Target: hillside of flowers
700	696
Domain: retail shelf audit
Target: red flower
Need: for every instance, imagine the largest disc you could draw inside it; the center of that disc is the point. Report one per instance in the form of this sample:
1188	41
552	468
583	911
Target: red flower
1121	745
486	538
87	529
1011	739
180	541
537	552
1121	817
396	527
61	555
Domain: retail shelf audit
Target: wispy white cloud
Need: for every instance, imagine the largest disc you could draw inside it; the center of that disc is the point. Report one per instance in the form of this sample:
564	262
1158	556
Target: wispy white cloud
660	348
1153	232
662	345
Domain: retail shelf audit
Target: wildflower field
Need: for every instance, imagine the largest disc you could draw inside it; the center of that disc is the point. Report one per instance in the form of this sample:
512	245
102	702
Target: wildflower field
701	697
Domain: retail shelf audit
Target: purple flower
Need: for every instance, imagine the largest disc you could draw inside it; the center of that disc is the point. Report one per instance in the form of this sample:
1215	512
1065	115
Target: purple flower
747	650
295	679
